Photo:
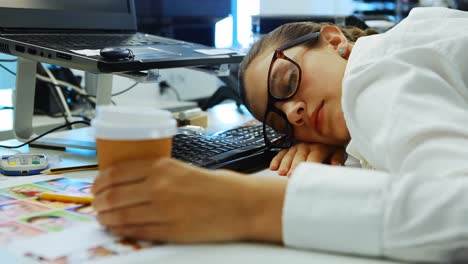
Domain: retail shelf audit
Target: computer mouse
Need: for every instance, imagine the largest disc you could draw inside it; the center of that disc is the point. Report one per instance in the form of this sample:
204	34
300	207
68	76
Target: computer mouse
116	54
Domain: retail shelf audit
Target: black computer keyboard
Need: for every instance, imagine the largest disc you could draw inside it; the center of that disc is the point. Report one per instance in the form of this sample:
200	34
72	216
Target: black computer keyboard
241	149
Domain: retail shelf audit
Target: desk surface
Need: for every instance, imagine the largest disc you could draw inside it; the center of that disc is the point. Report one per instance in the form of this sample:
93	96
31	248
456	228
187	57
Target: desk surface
221	117
216	253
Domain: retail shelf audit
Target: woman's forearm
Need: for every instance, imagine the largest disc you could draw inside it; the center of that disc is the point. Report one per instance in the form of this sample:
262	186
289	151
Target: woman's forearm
264	203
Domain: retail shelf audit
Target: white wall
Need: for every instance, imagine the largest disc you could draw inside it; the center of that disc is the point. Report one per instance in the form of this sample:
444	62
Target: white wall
306	7
191	84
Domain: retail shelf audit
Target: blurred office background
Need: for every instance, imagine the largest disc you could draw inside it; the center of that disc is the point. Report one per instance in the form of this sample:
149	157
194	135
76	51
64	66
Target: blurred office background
228	23
237	24
7	80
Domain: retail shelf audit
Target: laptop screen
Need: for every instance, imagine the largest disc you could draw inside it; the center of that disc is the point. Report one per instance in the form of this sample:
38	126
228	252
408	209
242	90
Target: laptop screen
68	14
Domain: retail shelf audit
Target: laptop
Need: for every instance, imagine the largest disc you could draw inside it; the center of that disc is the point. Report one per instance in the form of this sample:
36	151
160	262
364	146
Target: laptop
73	33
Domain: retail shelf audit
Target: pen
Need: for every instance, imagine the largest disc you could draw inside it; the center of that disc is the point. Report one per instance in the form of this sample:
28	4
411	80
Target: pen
70	169
66	198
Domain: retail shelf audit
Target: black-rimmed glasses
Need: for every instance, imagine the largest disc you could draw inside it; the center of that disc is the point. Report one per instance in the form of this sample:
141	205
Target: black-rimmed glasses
284	79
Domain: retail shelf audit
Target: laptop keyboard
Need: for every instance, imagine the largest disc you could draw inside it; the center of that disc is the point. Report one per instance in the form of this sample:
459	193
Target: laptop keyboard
211	151
91	41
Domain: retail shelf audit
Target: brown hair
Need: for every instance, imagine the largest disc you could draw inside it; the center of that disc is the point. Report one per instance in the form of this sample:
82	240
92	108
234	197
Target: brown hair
285	34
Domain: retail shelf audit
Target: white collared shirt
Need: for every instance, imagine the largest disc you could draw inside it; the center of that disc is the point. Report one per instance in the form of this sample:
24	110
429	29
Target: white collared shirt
405	99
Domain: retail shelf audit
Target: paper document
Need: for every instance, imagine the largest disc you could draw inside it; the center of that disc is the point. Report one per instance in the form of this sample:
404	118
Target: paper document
215	51
56	232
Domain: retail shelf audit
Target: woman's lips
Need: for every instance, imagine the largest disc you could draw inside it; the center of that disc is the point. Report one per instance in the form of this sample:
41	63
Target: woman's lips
317	118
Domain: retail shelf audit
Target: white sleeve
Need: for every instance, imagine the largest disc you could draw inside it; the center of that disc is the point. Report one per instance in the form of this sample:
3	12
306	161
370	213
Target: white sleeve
335	209
416	207
358	211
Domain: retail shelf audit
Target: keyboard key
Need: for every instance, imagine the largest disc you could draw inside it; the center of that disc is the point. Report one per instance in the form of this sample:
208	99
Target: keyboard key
206	151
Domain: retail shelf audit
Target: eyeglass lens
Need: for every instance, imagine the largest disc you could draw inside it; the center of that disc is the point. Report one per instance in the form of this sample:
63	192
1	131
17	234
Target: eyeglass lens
284	79
280	132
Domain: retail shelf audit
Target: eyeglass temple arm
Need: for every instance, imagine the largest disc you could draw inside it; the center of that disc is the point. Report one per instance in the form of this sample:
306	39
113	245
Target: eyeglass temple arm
313	35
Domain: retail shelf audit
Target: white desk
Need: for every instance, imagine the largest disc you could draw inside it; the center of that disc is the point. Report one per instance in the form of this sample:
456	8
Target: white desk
221	117
217	253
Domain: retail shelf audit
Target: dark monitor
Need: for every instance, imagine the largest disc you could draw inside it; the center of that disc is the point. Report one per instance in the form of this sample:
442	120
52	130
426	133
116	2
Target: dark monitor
68	14
462	4
264	24
188	20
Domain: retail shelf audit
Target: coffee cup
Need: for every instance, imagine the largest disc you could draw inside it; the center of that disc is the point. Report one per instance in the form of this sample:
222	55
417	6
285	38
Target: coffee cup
126	133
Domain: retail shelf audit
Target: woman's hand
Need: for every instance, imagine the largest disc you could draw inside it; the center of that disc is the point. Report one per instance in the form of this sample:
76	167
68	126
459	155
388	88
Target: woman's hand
288	159
169	201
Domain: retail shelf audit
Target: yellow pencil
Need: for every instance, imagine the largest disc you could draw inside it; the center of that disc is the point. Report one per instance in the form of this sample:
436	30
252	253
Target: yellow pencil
70	169
65	198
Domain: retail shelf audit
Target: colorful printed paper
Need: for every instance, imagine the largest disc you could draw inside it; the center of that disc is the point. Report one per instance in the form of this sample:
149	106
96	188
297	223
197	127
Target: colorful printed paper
24	216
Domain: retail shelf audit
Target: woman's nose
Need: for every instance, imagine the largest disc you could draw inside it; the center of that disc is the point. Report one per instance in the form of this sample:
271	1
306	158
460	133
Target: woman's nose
295	112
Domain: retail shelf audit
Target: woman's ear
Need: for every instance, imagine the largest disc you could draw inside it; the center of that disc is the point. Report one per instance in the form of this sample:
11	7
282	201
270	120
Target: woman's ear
332	36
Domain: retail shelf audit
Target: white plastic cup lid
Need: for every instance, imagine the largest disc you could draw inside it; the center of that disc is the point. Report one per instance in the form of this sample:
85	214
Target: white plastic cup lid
132	123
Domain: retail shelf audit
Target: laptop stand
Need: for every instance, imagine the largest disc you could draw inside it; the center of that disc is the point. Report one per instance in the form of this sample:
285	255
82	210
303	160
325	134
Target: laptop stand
98	84
24	108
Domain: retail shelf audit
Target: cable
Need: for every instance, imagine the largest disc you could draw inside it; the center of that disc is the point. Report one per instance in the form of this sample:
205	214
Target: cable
75	88
121	92
8	70
45	134
177	94
59	92
53	92
59	104
164	85
125	90
60	82
85	118
8	60
40	112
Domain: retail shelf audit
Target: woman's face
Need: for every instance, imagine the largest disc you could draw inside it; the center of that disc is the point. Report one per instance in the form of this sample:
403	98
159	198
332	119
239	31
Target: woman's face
315	111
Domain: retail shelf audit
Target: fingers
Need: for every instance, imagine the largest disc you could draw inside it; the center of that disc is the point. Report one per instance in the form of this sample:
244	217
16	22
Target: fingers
121	196
129	172
338	157
149	232
276	161
133	215
300	156
289	159
124	173
286	161
318	153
